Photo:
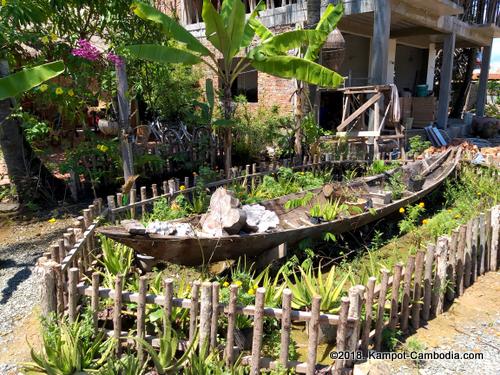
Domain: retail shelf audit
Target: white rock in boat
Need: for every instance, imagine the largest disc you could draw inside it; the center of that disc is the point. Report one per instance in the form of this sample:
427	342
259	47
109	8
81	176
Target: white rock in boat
165	228
260	218
224	215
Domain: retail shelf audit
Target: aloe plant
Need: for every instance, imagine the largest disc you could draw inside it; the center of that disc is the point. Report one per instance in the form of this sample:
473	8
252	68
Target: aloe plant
308	284
116	260
231	33
69	348
165	361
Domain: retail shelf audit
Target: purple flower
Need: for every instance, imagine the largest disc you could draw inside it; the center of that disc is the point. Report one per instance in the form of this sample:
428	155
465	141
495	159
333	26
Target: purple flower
86	51
115	59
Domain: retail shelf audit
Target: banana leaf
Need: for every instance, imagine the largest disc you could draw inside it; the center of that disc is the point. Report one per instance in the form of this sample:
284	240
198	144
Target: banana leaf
325	26
301	69
284	42
215	30
170	27
162	54
249	31
24	80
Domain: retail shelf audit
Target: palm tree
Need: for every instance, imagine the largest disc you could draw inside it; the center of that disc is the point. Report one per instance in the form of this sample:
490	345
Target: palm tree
231	34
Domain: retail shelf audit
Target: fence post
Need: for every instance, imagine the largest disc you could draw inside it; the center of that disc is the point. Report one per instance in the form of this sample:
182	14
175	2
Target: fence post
193	311
141	316
475	251
111	207
405	308
440	282
417	289
459	290
312	344
94	302
429	260
381	308
205	317
72	293
482	243
215	315
258	325
117	313
495	216
286	325
368	314
169	294
396	281
452	261
231	324
133	197
468	254
342	334
356	296
48	287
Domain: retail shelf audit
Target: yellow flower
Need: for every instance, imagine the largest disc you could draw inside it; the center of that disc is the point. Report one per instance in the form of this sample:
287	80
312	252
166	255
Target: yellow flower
45	39
174	206
478	193
59	91
458	216
448	210
43	87
425	221
251	291
302	173
401	210
421	205
102	148
52	220
237	282
226	284
256	287
53	37
4	3
182	187
71	92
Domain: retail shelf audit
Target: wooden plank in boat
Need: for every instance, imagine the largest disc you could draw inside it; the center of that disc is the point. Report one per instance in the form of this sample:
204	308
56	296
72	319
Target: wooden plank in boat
380	198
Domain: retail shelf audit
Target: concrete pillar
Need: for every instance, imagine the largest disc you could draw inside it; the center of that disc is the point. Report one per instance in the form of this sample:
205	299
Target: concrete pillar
391	60
445	80
482	90
431	66
380	43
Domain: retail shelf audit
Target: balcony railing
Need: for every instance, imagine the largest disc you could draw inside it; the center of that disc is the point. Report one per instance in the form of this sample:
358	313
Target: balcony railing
480	12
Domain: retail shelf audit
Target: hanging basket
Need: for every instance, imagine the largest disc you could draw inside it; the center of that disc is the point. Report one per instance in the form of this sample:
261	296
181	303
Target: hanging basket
333	51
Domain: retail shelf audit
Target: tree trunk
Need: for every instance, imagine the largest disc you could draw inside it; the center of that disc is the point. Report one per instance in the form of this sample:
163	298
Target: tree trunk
458	105
299	116
228	134
124	117
33	181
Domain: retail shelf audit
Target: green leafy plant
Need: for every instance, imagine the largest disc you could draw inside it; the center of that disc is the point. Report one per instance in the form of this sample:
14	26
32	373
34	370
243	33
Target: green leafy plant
127	364
396	185
69	348
390	338
379	167
299	202
165	361
116	260
309	283
417	146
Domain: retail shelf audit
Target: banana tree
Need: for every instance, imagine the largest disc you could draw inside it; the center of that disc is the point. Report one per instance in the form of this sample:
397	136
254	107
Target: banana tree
231	33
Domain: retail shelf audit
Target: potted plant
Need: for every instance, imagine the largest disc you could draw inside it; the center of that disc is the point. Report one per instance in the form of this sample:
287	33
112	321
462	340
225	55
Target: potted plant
416	183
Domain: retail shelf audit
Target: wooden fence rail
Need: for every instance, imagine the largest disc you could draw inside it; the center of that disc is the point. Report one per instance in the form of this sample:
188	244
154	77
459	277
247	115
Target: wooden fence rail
413	294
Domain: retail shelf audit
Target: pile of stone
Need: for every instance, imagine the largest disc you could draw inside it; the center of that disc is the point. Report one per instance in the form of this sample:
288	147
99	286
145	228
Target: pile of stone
226	216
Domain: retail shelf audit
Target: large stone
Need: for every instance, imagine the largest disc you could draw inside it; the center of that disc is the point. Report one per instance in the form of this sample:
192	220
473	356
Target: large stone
224	215
259	219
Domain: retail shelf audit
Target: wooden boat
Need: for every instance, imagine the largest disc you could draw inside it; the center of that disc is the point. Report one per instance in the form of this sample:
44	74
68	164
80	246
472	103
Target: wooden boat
294	223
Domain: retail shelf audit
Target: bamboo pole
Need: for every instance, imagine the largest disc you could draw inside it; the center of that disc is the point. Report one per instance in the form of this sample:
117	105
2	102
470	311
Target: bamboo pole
313	335
396	281
381	309
258	326
429	260
231	324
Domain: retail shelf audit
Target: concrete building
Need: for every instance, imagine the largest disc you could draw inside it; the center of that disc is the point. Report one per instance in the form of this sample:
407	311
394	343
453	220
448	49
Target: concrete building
386	41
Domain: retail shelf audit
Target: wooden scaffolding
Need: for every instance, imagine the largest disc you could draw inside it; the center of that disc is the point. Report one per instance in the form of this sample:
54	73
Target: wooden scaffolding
375	104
